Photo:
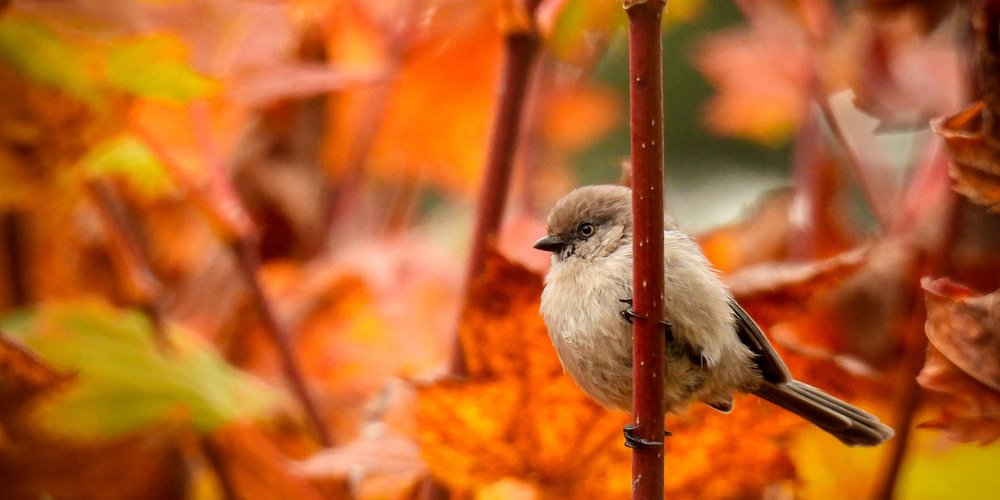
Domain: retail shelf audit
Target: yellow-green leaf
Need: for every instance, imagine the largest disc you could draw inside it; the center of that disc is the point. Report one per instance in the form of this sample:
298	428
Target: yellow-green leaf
155	66
124	381
128	157
36	52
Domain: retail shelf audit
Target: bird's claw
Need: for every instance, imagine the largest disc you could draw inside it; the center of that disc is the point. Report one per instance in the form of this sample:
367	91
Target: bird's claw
633	441
628	314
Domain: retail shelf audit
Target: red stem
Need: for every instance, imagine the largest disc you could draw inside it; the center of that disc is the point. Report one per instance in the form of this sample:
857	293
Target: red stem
646	124
12	237
123	228
217	460
868	179
520	53
248	264
224	209
144	286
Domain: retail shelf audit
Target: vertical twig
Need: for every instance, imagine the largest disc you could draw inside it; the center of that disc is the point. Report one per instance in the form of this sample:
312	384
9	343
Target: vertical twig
225	211
147	288
871	187
646	130
935	262
869	180
217	461
248	263
347	190
521	44
908	391
13	233
242	237
143	286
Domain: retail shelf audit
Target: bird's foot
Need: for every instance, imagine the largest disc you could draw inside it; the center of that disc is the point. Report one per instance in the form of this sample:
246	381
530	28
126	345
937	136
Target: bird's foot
628	314
633	441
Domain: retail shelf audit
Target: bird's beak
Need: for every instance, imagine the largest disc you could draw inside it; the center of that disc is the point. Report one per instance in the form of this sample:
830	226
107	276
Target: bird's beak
550	243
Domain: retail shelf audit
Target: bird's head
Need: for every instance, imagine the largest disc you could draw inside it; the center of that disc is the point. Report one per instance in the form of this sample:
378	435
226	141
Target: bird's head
588	223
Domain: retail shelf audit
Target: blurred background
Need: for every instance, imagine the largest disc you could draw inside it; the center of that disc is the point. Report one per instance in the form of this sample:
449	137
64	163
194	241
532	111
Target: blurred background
236	235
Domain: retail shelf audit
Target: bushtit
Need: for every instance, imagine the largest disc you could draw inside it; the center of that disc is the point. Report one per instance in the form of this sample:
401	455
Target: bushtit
713	347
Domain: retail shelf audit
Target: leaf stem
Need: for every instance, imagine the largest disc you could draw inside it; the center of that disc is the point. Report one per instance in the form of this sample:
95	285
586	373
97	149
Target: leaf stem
12	224
248	264
646	130
935	261
870	186
123	228
521	47
143	287
221	205
216	460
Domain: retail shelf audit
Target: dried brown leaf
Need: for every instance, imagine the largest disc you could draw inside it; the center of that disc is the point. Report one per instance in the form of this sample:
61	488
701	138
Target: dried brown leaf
965	327
973	412
772	293
974	165
963	359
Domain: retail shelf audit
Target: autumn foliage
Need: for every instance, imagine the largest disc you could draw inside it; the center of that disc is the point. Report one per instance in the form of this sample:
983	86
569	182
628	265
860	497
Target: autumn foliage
234	244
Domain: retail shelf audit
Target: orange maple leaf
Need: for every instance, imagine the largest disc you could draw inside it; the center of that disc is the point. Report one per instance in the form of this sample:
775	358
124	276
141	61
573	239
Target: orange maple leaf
761	105
517	415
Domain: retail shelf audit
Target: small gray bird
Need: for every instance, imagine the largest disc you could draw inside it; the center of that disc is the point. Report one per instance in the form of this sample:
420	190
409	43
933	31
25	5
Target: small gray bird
713	347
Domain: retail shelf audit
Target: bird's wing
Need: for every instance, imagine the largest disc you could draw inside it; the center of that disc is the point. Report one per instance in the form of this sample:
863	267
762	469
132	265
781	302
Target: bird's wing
771	366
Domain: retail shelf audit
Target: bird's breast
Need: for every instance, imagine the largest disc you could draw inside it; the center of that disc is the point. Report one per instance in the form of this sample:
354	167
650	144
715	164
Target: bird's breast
582	310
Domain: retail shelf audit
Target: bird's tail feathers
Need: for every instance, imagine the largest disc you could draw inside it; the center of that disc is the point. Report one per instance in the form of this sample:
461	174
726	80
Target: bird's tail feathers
851	425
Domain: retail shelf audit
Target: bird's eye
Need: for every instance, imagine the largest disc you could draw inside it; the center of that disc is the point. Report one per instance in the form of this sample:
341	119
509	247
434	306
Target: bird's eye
585	229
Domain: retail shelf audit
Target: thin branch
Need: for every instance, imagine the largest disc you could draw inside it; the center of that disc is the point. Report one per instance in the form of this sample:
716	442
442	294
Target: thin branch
217	460
908	395
225	211
123	228
243	241
399	32
646	127
248	263
521	47
935	262
872	189
143	286
13	234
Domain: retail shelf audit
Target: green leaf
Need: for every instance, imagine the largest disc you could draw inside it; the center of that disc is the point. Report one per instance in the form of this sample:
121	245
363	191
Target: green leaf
127	156
155	66
124	381
577	19
36	52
